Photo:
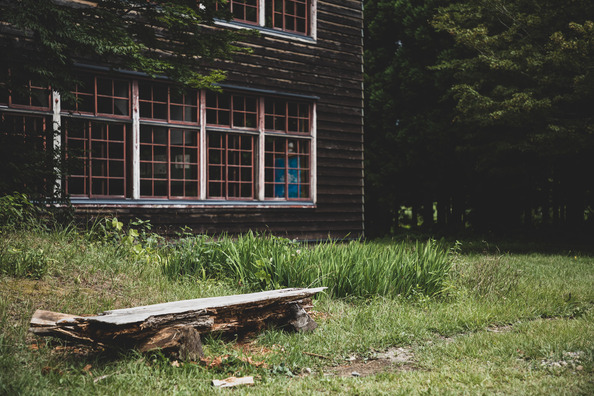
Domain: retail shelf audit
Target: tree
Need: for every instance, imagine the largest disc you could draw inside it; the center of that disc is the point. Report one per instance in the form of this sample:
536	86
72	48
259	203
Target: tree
524	88
44	41
409	151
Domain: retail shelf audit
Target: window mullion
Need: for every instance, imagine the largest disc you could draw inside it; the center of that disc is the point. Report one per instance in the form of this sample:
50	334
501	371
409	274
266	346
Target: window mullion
202	146
57	139
261	13
313	182
259	153
135	141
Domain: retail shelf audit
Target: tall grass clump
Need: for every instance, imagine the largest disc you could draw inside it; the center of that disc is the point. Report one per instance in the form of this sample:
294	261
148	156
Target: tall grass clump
348	269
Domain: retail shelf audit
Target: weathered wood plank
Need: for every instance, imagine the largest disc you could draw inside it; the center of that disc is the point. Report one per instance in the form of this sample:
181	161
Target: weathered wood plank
176	326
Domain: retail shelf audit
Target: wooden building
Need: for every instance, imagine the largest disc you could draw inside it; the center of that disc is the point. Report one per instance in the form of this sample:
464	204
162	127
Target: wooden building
280	150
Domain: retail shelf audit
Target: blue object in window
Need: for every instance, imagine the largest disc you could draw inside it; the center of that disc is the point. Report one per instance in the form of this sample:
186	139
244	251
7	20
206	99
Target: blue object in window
294	177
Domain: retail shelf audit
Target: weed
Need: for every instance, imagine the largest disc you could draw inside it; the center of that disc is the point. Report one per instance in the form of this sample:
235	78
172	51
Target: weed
489	276
20	260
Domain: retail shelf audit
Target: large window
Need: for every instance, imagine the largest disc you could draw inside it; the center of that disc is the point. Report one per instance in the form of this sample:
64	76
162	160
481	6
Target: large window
139	140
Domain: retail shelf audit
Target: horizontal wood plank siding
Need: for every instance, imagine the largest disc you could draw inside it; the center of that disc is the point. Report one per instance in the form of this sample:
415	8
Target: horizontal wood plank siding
329	68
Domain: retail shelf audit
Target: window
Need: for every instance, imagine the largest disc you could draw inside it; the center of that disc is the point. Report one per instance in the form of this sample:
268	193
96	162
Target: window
168	162
230	166
287	172
164	103
287	116
231	110
100	96
31	95
100	151
147	140
292	16
288	15
245	10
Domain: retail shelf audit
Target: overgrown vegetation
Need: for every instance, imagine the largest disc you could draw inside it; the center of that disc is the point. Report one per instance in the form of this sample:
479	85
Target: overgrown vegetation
352	269
477	323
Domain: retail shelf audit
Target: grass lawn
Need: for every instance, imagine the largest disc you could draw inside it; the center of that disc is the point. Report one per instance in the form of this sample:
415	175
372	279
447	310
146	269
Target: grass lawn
506	324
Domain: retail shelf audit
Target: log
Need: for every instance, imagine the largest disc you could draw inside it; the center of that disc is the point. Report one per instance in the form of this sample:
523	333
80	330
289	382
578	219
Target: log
175	327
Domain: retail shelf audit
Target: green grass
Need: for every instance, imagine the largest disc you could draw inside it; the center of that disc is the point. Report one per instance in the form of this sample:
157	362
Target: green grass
356	269
499	325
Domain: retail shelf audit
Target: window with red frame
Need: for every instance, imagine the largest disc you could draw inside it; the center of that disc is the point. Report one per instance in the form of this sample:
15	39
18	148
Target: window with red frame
245	10
231	110
32	95
230	165
101	96
100	152
288	15
161	102
287	116
168	162
27	129
287	168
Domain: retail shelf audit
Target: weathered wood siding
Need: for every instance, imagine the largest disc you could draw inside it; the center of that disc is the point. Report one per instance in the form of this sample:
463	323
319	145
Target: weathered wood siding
330	69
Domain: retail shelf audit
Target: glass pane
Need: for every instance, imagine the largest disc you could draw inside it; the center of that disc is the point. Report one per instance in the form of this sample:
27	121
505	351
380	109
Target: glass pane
146	110
99	187
144	91
177	188
191	138
191	189
177	171
146	170
76	186
99	168
104	105
159	111
116	132
116	187
177	113
160	188
177	137
86	104
121	89
121	107
116	169
160	93
146	187
104	86
116	150
160	135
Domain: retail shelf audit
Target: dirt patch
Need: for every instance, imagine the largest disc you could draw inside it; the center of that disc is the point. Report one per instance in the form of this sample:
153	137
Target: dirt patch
394	359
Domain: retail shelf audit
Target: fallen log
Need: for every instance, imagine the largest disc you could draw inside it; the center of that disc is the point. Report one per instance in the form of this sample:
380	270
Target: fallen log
175	327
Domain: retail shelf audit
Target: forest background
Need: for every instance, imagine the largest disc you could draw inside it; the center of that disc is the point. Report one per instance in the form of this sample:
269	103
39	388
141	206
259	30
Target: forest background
479	116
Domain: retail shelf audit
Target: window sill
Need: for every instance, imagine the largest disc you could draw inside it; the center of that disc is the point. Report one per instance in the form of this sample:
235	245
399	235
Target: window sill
185	204
267	31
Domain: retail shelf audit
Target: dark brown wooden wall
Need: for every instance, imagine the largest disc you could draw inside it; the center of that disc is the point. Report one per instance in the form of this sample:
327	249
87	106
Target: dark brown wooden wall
330	69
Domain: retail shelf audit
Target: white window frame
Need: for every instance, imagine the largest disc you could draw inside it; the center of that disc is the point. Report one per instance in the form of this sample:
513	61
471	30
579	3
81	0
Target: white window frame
311	37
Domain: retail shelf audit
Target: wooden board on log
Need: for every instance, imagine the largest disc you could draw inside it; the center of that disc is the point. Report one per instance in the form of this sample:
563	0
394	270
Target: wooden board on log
176	326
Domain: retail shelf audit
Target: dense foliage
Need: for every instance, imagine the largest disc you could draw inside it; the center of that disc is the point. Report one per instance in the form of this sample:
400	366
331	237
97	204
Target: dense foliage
486	107
46	42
